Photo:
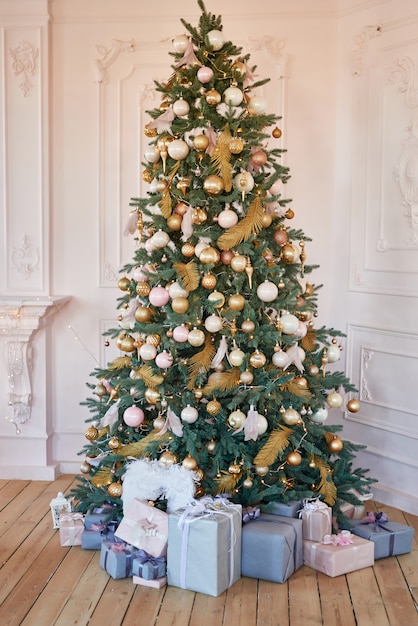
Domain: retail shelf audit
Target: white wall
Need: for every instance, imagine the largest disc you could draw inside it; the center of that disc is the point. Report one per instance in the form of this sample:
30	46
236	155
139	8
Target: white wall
89	138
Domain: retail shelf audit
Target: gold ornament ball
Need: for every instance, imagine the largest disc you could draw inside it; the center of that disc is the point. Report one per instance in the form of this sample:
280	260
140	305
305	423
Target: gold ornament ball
213	97
154	340
167	458
211	446
213	185
239	263
213	407
262	470
91	433
199	474
209	255
236	145
143	314
181	208
277	133
126	343
85	467
266	220
257	359
290	214
174	222
198	393
334	400
152	396
158	423
236	302
335	445
114	443
289	254
100	390
301	382
199	216
209	281
189	462
180	305
353	406
187	250
239	70
150	132
309	289
248	326
312	370
236	419
218	298
123	283
201	142
247	483
234	468
294	458
115	490
142	288
147	176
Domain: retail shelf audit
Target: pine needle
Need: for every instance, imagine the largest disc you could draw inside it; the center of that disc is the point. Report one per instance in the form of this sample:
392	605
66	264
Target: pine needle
119	363
326	486
150	379
222	381
165	205
251	224
276	443
138	448
308	342
296	390
188	273
227	482
221	159
200	361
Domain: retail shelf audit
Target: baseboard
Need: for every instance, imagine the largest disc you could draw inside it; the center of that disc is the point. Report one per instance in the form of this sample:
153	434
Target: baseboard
67	467
396	499
29	472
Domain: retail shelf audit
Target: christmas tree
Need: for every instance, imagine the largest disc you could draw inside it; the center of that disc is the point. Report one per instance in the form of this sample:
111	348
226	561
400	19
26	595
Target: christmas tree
222	369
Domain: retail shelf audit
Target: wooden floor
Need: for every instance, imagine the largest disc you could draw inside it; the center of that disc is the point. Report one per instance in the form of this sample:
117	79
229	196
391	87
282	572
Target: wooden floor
44	584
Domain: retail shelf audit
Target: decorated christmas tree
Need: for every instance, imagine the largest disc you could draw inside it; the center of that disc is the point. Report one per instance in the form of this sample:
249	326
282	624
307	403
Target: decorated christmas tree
222	371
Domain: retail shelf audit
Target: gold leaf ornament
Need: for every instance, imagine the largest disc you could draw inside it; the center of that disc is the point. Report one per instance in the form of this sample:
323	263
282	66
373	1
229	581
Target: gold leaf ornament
146	373
326	486
188	274
200	361
275	444
221	158
222	381
251	224
119	363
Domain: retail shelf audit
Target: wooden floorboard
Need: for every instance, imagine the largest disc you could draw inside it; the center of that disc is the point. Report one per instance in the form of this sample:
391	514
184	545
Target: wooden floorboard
45	584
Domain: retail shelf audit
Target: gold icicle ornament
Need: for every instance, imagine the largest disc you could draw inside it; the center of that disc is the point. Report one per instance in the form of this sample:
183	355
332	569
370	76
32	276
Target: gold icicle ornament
302	257
249	270
140	225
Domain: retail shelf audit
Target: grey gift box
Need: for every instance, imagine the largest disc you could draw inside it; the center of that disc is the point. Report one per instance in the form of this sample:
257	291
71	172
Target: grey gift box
205	554
389	538
272	547
285	509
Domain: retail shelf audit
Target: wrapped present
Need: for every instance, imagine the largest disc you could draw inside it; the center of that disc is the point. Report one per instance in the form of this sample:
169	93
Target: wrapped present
316	519
338	554
144	526
356	511
148	567
92	539
284	509
100	516
389	538
156	582
204	546
271	547
71	526
116	558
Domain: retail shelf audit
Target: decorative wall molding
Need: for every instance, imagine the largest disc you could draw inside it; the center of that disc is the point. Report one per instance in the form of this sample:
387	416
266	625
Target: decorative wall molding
24	64
109	54
275	48
362	42
25	259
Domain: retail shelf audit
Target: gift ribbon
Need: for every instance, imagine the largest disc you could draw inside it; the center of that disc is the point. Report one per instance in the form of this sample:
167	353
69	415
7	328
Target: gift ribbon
146	559
250	513
205	507
378	520
73	528
344	538
120	548
143	528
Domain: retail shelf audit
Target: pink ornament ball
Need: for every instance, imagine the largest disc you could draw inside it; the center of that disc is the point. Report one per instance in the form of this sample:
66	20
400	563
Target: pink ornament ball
159	296
180	333
205	74
164	360
139	275
133	416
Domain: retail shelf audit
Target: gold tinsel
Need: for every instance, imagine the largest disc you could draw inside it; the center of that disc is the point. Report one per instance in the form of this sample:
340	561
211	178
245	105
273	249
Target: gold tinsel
326	486
119	363
200	360
222	381
296	390
308	342
189	275
146	373
221	159
102	477
251	224
166	206
276	443
138	448
226	482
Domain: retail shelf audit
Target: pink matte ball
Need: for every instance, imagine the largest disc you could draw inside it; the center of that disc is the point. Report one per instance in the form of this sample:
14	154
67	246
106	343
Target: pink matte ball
164	360
205	74
133	416
159	296
180	334
139	275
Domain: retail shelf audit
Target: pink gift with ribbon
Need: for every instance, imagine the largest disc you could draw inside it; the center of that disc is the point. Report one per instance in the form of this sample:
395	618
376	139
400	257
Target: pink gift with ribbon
71	529
146	527
316	519
338	554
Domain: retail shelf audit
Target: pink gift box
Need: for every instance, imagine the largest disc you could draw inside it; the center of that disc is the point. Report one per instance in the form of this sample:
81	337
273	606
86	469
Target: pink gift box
334	560
71	529
316	520
157	583
146	527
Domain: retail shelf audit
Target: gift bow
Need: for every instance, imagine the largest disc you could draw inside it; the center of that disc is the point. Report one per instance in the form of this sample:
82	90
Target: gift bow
313	505
344	538
71	517
148	528
378	519
118	546
250	513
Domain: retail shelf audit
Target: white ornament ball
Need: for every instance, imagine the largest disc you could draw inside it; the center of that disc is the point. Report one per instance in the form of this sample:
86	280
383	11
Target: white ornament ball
153	185
180	333
177	291
139	274
218	297
164	360
215	39
236	357
244	181
181	107
160	239
233	95
180	44
319	416
213	323
152	154
257	105
262	424
280	359
236	418
147	352
301	330
189	414
276	188
267	291
227	218
247	377
291	417
178	149
289	323
334	400
333	353
199	247
196	337
205	74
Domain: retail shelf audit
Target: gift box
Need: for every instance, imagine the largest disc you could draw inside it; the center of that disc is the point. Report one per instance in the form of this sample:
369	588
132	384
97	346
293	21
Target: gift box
116	558
389	538
316	519
339	554
204	546
92	539
355	511
284	509
148	567
71	528
271	547
156	582
100	517
144	526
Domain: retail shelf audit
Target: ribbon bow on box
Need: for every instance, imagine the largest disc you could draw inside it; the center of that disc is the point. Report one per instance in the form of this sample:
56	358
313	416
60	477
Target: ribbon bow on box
71	517
314	505
150	567
105	529
250	513
378	519
344	538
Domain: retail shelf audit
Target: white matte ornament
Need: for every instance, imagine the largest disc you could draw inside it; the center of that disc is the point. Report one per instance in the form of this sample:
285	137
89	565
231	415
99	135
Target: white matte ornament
267	291
280	358
180	44
291	417
147	352
257	105
178	149
289	323
177	291
181	107
160	239
236	357
319	416
213	323
189	414
215	39
152	154
262	424
247	377
227	218
236	418
233	95
333	353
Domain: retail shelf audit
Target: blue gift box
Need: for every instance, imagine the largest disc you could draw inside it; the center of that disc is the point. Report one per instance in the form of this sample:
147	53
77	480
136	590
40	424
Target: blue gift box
100	516
116	558
389	538
272	547
92	539
285	509
148	567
